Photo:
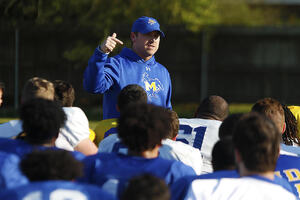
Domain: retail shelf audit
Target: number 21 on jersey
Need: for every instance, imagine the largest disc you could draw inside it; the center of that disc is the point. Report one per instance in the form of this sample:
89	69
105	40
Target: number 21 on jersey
191	136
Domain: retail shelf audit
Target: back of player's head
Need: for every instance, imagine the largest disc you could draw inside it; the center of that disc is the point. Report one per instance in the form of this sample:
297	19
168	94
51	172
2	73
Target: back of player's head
142	126
223	155
42	120
37	87
257	139
174	124
64	93
213	107
132	93
146	187
272	109
290	136
228	125
51	165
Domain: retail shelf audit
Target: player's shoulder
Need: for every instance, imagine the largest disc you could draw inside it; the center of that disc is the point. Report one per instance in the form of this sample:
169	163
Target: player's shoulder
199	121
47	189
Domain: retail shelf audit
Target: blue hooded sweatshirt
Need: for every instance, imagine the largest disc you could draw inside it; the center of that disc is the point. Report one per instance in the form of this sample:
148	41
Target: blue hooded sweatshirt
109	75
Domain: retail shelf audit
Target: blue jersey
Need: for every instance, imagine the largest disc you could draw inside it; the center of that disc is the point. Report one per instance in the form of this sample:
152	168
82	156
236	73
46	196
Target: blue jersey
21	148
55	190
109	75
180	188
112	171
10	174
288	167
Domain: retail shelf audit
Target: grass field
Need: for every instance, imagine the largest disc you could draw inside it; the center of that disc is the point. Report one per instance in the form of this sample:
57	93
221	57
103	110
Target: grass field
183	110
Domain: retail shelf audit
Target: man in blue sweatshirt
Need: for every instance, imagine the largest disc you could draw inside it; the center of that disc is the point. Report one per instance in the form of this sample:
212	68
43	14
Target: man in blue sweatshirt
108	75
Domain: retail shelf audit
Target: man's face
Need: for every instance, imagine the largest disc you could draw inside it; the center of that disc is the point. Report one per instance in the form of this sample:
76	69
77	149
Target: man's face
145	45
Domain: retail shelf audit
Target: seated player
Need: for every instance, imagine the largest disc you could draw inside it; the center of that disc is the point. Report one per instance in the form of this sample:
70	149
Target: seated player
273	110
35	87
10	174
42	120
132	93
146	187
256	145
52	174
141	128
202	131
170	149
75	134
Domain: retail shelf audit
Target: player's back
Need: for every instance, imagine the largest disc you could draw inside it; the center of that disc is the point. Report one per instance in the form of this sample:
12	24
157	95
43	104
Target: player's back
288	167
111	171
53	190
170	150
201	134
236	189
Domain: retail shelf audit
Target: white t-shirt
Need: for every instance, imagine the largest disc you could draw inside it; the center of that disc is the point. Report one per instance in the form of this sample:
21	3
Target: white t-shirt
245	188
75	130
170	149
201	134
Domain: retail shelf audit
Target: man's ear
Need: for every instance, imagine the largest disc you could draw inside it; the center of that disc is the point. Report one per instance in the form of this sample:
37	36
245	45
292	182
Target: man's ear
117	108
132	37
284	128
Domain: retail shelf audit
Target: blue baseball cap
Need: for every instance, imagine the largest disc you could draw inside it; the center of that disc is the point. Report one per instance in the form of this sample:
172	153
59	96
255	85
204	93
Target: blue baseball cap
146	25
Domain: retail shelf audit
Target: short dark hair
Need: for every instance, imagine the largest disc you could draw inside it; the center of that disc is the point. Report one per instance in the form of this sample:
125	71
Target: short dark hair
146	187
132	93
257	139
64	93
228	125
42	120
223	155
142	126
213	107
51	165
272	109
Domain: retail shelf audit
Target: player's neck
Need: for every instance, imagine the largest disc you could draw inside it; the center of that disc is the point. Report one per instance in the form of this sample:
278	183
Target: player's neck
146	154
243	171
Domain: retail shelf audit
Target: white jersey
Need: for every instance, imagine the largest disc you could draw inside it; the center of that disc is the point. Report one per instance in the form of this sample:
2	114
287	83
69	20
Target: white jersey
75	130
170	149
245	188
201	134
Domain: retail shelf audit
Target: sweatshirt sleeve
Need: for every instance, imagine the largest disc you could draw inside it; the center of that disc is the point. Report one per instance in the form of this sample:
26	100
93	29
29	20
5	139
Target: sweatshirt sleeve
101	73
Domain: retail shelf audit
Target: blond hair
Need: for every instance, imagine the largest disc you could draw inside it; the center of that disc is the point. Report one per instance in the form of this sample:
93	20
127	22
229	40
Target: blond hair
37	87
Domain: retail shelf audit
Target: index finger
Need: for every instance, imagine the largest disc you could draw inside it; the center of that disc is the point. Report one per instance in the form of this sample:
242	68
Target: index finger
117	40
